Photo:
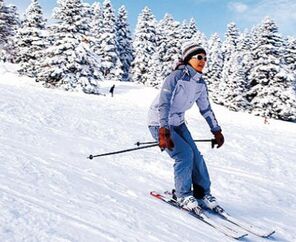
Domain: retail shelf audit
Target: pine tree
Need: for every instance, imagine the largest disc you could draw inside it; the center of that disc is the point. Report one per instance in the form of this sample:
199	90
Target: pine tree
69	63
124	42
192	27
97	20
240	64
97	30
169	45
245	45
31	40
214	66
237	84
229	48
9	23
231	40
3	29
144	46
272	92
200	39
157	68
187	30
290	54
290	58
88	15
155	77
111	65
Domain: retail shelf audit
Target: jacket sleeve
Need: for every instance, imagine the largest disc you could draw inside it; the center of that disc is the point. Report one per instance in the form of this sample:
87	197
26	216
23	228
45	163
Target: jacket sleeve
206	111
166	94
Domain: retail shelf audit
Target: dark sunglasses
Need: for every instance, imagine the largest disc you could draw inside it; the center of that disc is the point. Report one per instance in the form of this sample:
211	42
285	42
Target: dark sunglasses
200	57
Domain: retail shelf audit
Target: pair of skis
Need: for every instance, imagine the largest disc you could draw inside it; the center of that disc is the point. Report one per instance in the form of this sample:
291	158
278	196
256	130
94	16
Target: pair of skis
236	232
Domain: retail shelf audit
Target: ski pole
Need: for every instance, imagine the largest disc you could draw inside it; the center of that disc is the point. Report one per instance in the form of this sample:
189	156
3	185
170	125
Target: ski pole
145	143
151	144
213	142
122	151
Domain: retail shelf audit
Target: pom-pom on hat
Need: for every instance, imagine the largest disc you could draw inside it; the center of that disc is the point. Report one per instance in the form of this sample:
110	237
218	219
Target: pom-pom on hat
190	49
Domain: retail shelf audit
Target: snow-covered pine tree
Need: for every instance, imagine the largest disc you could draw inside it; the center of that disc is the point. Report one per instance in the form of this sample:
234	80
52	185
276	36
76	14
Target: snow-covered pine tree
124	43
156	74
3	29
9	23
155	78
169	44
237	98
244	45
229	48
188	29
31	40
272	91
185	31
200	39
97	19
97	30
93	16
88	15
214	66
69	63
111	65
144	46
192	27
290	57
239	67
290	54
231	39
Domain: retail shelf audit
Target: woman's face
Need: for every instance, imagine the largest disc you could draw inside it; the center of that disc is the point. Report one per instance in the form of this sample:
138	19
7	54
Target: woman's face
198	61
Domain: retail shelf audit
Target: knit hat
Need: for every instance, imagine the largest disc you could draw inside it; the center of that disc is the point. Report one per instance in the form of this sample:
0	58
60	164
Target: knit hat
190	49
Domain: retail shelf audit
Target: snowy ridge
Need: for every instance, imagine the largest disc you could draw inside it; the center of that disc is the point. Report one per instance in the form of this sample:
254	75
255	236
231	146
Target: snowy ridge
50	192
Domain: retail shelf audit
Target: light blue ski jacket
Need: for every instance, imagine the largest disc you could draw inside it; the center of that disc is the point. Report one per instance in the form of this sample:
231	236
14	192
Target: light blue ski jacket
181	89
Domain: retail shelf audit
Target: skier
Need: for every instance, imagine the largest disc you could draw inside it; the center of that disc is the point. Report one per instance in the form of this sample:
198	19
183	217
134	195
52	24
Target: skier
181	89
265	120
112	90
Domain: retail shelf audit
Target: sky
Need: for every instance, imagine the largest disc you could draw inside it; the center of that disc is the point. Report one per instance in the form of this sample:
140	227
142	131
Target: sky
211	15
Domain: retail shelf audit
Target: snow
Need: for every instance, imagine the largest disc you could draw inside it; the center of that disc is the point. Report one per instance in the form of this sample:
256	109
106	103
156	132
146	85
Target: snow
49	191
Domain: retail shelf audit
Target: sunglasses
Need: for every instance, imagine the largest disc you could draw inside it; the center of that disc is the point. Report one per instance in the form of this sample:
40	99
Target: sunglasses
199	57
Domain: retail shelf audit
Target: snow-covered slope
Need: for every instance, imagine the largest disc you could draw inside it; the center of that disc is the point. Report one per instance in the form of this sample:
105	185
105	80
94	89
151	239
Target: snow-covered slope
50	192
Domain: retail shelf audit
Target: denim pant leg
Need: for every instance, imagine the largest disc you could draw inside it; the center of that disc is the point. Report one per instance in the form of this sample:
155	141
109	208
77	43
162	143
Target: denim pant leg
200	175
183	156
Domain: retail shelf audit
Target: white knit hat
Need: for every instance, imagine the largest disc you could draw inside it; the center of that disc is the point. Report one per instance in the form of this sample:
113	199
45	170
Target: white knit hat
190	49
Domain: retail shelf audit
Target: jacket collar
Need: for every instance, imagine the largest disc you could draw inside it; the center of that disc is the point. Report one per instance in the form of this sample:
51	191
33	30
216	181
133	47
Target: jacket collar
196	76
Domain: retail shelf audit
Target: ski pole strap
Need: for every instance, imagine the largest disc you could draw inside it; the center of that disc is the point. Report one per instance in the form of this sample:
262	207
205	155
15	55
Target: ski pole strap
121	151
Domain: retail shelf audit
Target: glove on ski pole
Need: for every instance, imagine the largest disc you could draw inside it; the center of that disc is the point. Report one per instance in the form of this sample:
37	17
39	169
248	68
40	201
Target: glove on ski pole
165	140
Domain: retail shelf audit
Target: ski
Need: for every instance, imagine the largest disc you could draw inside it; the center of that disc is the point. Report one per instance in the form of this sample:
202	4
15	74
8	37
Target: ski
201	216
253	229
243	224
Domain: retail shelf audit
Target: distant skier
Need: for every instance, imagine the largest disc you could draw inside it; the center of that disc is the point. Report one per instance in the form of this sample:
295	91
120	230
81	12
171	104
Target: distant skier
112	90
181	89
265	120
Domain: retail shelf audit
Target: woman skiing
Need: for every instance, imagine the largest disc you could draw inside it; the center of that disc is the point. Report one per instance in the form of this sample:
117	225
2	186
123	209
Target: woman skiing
181	89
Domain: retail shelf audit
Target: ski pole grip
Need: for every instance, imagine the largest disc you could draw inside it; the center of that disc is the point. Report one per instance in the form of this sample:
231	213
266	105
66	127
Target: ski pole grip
213	142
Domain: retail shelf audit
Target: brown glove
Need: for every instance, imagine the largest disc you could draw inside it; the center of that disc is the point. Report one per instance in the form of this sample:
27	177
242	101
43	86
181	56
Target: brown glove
164	139
219	138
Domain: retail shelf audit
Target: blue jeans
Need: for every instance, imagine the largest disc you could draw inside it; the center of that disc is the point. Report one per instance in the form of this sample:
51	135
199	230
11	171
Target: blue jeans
189	167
